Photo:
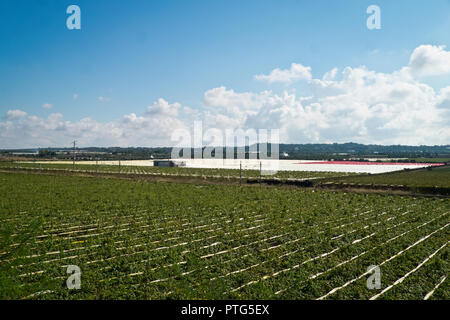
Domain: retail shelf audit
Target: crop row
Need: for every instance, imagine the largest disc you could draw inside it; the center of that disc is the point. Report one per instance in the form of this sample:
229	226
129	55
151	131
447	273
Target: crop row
135	239
170	171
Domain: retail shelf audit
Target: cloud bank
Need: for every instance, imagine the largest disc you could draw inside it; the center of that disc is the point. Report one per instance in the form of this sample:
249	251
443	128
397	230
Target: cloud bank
352	104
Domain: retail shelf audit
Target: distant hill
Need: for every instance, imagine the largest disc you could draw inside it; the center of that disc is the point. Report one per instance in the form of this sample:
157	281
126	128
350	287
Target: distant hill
345	150
287	151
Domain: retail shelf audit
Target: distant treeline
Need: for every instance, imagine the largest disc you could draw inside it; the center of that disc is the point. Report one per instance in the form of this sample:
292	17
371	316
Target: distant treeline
334	151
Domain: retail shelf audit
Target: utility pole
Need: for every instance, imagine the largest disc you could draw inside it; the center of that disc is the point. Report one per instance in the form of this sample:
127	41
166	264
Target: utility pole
260	173
240	173
74	146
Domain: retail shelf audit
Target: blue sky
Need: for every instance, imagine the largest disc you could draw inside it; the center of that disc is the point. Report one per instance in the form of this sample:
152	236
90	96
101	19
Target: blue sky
133	53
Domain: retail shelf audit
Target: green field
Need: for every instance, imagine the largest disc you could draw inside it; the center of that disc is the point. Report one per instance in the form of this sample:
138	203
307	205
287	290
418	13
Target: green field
146	240
436	177
430	160
171	171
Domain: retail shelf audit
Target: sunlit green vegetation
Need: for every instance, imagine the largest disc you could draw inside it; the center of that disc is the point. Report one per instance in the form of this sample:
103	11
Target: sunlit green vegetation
430	160
431	177
147	240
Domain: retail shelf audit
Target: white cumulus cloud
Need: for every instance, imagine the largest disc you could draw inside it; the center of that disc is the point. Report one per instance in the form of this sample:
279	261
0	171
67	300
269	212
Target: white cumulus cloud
15	114
296	72
162	107
428	60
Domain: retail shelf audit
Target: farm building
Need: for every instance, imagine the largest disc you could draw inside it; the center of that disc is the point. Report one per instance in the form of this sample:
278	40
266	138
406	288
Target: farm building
168	163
